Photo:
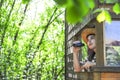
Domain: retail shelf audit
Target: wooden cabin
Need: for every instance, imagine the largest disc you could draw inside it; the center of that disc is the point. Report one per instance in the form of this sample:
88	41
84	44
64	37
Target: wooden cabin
107	36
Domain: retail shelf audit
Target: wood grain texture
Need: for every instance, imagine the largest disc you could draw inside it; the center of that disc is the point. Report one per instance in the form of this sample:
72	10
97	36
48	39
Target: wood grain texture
110	75
110	78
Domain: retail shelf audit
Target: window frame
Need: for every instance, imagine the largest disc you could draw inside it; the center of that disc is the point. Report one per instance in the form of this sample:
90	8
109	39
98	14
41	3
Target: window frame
100	57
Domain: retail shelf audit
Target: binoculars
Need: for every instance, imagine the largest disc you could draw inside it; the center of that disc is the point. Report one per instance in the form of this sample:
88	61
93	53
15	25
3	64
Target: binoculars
77	44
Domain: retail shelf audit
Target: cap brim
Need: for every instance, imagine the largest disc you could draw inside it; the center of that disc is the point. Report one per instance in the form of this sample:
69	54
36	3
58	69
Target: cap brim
87	32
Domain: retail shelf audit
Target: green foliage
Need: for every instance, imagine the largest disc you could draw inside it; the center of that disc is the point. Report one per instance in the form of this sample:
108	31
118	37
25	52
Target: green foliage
72	14
91	4
25	1
104	16
116	8
64	3
76	10
84	51
20	57
61	2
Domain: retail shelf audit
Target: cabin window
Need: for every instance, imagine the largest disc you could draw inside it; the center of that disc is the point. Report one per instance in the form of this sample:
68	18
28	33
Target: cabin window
112	43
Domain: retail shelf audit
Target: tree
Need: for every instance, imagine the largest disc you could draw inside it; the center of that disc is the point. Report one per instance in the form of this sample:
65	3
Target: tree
31	46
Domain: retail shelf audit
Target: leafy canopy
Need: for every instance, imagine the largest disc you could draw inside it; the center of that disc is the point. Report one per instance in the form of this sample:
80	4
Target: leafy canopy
76	10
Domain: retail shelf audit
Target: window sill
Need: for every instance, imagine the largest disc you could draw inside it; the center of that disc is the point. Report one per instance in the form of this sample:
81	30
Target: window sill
105	69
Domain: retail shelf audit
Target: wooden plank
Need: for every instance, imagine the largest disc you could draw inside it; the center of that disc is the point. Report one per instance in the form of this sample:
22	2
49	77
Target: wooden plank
70	29
96	76
99	43
107	69
80	76
85	76
66	38
114	16
110	75
110	78
69	43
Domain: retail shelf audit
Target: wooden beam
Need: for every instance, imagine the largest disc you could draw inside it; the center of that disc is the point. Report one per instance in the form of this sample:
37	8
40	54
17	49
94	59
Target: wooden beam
99	44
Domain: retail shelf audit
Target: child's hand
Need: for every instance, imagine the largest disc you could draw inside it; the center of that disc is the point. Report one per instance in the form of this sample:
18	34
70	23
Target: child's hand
88	64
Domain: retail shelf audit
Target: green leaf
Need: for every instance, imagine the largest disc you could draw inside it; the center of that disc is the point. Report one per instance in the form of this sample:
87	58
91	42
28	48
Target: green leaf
25	1
116	8
83	7
104	16
101	16
61	2
107	17
69	3
64	3
91	4
77	11
73	15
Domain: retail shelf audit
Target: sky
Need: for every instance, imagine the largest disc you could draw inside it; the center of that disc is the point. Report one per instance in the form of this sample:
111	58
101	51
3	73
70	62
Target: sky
112	31
37	7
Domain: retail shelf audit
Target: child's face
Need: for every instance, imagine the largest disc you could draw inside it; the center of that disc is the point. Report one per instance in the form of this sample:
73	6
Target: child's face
91	42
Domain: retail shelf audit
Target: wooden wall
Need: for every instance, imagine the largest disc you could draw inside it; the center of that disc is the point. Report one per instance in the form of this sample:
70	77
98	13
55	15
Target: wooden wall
72	34
110	76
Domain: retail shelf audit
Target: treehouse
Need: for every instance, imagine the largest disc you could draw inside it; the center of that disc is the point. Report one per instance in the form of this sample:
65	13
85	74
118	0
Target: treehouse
107	49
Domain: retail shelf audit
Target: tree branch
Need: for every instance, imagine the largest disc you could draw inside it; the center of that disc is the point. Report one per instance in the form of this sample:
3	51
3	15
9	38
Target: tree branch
6	25
46	27
16	34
